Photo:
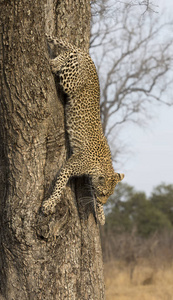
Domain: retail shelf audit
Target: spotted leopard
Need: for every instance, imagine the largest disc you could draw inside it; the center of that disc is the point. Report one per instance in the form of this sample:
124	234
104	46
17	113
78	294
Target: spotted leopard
90	151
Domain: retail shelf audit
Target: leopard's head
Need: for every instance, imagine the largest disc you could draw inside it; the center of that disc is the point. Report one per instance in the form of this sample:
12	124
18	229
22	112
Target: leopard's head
104	185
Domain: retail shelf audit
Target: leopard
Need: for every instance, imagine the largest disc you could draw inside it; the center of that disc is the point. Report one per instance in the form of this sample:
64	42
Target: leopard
91	154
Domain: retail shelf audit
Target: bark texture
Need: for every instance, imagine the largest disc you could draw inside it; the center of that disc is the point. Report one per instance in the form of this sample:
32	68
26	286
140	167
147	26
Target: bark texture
56	257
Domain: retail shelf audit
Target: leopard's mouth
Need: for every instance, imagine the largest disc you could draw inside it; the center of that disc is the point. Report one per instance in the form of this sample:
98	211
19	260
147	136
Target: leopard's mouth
101	199
96	198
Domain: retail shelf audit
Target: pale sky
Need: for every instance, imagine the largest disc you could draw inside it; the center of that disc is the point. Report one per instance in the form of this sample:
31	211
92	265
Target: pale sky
151	160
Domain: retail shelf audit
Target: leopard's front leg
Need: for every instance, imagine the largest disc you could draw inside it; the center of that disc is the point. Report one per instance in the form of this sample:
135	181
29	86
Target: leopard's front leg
73	167
100	213
48	206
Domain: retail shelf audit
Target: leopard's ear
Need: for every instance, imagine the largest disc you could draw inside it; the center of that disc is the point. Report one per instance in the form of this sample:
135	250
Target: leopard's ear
119	176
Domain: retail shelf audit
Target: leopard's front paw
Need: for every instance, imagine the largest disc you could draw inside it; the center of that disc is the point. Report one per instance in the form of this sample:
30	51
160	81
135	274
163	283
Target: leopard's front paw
48	207
56	64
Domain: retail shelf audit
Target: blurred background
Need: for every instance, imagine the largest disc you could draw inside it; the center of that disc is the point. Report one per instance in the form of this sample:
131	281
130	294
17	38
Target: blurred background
132	47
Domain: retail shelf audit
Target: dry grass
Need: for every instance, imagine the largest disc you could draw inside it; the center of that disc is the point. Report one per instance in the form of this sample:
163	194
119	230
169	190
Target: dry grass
141	280
138	268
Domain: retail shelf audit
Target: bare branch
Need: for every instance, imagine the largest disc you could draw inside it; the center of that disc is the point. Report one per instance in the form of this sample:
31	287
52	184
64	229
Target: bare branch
147	4
134	63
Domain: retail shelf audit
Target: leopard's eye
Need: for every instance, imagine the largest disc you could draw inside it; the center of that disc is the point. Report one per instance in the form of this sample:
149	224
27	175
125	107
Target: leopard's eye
101	180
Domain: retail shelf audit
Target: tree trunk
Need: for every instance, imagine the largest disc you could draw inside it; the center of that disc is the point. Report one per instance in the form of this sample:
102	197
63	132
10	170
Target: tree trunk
59	256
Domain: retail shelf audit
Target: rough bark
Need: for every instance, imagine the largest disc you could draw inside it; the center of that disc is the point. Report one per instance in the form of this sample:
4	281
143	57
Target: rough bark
33	263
